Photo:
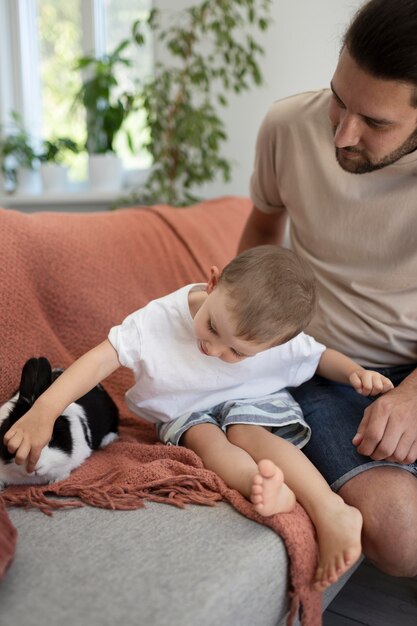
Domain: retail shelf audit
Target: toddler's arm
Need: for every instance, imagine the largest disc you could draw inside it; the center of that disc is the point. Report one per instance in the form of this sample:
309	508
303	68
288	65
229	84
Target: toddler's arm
33	431
338	367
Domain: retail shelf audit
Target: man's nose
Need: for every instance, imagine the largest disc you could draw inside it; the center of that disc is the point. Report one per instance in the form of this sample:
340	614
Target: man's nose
347	131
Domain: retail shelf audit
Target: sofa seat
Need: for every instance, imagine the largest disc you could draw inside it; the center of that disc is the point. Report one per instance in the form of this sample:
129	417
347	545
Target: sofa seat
65	279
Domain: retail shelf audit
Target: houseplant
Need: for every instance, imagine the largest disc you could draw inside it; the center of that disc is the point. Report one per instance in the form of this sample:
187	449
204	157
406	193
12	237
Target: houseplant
52	159
211	53
107	107
18	157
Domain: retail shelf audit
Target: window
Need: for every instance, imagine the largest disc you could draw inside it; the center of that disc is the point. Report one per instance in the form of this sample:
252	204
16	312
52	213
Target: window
59	28
39	43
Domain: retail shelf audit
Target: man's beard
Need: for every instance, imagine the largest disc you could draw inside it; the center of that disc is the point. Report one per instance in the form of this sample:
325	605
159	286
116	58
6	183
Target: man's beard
362	164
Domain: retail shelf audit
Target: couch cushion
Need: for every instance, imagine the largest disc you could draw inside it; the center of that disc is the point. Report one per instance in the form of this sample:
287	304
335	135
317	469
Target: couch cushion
161	566
65	280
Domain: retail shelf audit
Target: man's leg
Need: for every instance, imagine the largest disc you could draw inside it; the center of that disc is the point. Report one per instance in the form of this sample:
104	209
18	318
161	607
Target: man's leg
387	499
385	494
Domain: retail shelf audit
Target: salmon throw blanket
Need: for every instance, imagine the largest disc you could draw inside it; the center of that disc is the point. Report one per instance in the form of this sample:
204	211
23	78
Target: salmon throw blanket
65	280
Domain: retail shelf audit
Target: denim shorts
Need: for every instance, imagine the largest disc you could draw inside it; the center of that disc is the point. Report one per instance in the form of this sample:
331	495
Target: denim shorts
278	411
333	412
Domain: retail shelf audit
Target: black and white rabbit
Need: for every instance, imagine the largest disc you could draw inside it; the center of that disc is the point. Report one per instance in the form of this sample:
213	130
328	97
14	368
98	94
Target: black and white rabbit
86	425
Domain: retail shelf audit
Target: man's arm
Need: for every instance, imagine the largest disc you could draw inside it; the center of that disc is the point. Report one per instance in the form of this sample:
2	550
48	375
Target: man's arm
263	228
388	429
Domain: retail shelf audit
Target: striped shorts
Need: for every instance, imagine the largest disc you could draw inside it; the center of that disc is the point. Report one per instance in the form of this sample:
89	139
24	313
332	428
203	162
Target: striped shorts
279	412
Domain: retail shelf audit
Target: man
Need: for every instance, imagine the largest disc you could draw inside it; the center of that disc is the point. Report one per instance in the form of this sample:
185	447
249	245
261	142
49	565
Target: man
342	164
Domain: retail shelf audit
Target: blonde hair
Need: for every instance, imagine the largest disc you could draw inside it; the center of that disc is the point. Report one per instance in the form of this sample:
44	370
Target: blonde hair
272	294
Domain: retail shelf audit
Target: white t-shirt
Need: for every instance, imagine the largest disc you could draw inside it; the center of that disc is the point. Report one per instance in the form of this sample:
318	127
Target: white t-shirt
173	377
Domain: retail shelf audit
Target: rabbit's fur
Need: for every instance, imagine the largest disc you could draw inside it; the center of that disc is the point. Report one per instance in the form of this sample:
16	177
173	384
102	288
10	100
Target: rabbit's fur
87	424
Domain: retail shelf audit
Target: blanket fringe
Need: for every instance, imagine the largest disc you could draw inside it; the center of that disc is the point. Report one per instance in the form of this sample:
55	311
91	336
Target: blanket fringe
33	498
109	492
294	607
305	606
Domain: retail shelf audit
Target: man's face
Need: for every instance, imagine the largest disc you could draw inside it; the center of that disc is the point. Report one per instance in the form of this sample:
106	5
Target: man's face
373	121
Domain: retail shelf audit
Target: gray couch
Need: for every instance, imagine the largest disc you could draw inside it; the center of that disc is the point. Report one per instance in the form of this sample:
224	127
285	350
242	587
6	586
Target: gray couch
159	565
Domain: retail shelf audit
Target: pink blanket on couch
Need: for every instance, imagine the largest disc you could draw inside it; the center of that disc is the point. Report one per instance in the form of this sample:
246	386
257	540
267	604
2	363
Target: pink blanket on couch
65	279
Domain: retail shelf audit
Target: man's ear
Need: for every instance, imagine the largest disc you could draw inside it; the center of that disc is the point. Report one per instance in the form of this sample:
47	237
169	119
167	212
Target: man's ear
214	279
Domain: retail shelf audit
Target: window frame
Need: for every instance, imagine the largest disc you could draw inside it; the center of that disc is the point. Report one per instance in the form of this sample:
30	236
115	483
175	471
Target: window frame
20	86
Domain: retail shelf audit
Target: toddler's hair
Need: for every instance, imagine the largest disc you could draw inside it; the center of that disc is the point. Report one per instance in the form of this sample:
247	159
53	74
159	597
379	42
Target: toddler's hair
272	294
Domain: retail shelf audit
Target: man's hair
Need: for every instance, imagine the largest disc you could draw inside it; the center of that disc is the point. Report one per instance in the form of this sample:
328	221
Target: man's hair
272	294
382	39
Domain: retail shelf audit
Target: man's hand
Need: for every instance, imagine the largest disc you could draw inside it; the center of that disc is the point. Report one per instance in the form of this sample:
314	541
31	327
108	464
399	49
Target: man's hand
27	437
388	430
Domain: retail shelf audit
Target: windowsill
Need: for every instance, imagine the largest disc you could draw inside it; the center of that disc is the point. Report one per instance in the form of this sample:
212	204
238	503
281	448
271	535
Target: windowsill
58	198
77	197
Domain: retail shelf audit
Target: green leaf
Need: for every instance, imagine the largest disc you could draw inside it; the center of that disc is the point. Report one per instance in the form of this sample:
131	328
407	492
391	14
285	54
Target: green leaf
211	51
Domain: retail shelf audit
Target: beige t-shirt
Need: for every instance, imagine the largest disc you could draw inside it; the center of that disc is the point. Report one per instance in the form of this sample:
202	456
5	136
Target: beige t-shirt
358	231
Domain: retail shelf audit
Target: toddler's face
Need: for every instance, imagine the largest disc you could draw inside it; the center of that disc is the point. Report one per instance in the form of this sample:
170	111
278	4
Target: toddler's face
214	329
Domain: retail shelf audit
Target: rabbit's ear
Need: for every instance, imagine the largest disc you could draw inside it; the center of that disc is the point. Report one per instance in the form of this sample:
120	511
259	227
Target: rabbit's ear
36	378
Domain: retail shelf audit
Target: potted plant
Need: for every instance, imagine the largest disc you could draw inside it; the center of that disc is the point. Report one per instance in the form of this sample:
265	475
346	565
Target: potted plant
52	158
19	161
107	107
211	52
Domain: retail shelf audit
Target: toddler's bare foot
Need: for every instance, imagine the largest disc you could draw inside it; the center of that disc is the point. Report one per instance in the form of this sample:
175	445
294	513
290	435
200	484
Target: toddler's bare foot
269	493
339	537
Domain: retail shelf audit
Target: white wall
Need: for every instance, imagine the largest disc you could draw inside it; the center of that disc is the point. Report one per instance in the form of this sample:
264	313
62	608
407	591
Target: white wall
301	49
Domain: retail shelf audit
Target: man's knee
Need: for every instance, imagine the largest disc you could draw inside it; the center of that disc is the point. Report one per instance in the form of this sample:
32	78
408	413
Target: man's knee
387	499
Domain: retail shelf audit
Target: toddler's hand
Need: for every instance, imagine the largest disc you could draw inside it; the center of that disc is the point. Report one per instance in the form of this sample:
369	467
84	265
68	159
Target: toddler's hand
369	383
26	439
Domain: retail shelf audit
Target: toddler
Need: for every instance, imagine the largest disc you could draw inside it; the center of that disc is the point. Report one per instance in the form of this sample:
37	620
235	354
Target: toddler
211	364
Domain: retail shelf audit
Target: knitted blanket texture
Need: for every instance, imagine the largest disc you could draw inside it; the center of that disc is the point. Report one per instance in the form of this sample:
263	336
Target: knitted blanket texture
8	538
65	280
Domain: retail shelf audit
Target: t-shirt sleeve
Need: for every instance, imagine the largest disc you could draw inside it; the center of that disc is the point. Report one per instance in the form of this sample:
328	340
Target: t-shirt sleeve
127	341
264	184
307	354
